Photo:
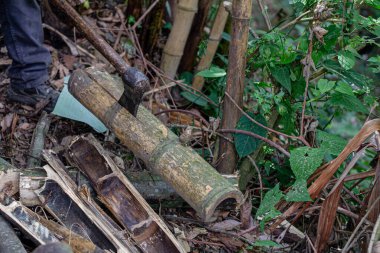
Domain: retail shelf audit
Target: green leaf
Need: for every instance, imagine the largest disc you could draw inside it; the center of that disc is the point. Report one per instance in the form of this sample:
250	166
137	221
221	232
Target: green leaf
349	102
298	192
345	88
373	3
325	85
282	75
196	99
266	243
331	143
271	198
350	77
305	160
245	144
213	72
346	59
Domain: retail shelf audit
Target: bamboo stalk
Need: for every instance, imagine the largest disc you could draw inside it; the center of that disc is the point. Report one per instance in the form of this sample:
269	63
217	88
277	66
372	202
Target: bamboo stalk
241	14
181	167
212	45
176	42
195	36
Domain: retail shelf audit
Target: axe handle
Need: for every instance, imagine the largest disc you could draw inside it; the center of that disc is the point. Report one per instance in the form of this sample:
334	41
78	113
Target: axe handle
95	39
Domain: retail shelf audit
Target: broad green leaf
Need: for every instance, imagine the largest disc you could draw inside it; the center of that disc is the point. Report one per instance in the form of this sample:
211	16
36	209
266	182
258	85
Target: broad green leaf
271	198
373	3
350	77
213	72
331	143
196	99
305	160
245	144
298	192
266	243
187	77
346	59
351	103
282	75
325	85
345	88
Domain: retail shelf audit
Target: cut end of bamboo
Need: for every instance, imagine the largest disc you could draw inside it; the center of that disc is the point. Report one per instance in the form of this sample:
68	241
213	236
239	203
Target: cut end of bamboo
230	196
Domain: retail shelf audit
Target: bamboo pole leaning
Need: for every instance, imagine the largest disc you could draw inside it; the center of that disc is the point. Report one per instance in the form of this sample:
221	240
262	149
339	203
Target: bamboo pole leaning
212	44
241	14
176	42
195	180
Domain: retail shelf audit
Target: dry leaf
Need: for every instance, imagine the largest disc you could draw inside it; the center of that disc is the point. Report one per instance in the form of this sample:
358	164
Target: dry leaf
319	33
327	218
24	126
226	225
6	122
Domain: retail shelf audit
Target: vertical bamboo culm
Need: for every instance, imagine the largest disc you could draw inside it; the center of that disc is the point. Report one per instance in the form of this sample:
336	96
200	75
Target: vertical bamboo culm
173	50
212	44
241	14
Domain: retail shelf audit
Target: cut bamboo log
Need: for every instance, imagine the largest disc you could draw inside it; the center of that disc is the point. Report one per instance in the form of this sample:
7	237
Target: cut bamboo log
176	42
181	167
115	191
212	45
241	14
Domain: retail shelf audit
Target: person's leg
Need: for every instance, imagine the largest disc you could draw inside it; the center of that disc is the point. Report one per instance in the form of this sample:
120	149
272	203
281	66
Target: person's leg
23	35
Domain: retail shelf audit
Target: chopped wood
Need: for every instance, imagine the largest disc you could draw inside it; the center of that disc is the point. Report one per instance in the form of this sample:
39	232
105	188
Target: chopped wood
38	140
23	218
86	204
120	197
195	180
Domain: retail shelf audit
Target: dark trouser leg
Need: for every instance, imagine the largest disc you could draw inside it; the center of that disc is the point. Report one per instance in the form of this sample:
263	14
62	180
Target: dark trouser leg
23	34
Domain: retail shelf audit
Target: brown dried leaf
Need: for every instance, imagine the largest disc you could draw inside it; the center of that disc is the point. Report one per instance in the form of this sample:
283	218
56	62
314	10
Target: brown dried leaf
6	122
24	126
327	218
68	61
226	225
375	193
246	214
319	32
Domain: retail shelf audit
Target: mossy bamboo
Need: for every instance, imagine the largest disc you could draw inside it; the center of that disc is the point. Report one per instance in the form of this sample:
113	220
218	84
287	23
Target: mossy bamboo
181	167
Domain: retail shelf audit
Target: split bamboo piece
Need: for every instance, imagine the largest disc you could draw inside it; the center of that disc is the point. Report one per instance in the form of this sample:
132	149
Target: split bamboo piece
176	42
181	167
118	194
212	44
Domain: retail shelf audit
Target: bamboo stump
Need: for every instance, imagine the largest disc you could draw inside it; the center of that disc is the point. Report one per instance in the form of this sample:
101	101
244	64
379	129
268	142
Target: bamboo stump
196	181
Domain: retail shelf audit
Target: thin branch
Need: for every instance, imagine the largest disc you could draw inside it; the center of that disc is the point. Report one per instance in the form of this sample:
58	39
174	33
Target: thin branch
265	127
265	14
266	140
145	14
